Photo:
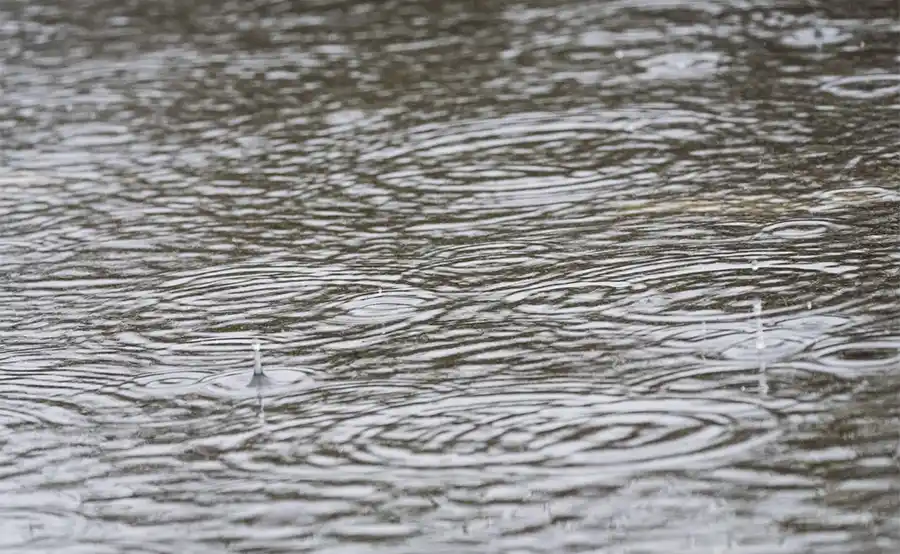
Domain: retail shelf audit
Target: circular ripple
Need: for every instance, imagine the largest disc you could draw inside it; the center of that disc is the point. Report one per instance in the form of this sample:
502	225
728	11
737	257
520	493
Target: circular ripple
865	87
560	298
756	339
222	365
682	65
240	383
708	288
494	133
384	306
872	354
472	171
21	527
816	36
244	286
15	414
33	410
522	426
841	199
288	302
807	228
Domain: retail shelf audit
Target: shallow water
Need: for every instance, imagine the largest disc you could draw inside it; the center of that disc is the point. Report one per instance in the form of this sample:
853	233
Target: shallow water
529	277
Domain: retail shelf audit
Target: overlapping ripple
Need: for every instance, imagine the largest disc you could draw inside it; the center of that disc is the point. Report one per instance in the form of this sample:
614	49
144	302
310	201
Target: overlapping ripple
520	428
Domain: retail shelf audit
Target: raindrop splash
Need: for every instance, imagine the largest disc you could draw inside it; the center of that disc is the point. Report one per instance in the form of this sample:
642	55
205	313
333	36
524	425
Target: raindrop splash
757	313
760	347
259	379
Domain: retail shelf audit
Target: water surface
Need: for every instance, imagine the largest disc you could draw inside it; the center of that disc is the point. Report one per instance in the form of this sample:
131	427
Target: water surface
528	277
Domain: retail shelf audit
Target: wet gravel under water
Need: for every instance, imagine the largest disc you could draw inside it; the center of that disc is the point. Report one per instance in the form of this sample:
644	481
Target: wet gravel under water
529	277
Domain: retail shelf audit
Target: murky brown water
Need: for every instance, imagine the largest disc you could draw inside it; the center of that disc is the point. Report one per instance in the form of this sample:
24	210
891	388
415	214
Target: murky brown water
528	277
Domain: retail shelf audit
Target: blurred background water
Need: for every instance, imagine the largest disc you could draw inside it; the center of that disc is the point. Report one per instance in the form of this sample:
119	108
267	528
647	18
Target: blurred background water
529	276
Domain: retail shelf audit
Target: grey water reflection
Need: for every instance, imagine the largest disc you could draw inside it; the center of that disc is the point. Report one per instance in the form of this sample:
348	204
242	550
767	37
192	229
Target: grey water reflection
527	276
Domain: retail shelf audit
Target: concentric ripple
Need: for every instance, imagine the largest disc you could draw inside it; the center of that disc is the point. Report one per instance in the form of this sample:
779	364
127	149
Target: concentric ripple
384	307
219	366
475	174
686	289
282	301
846	355
520	426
